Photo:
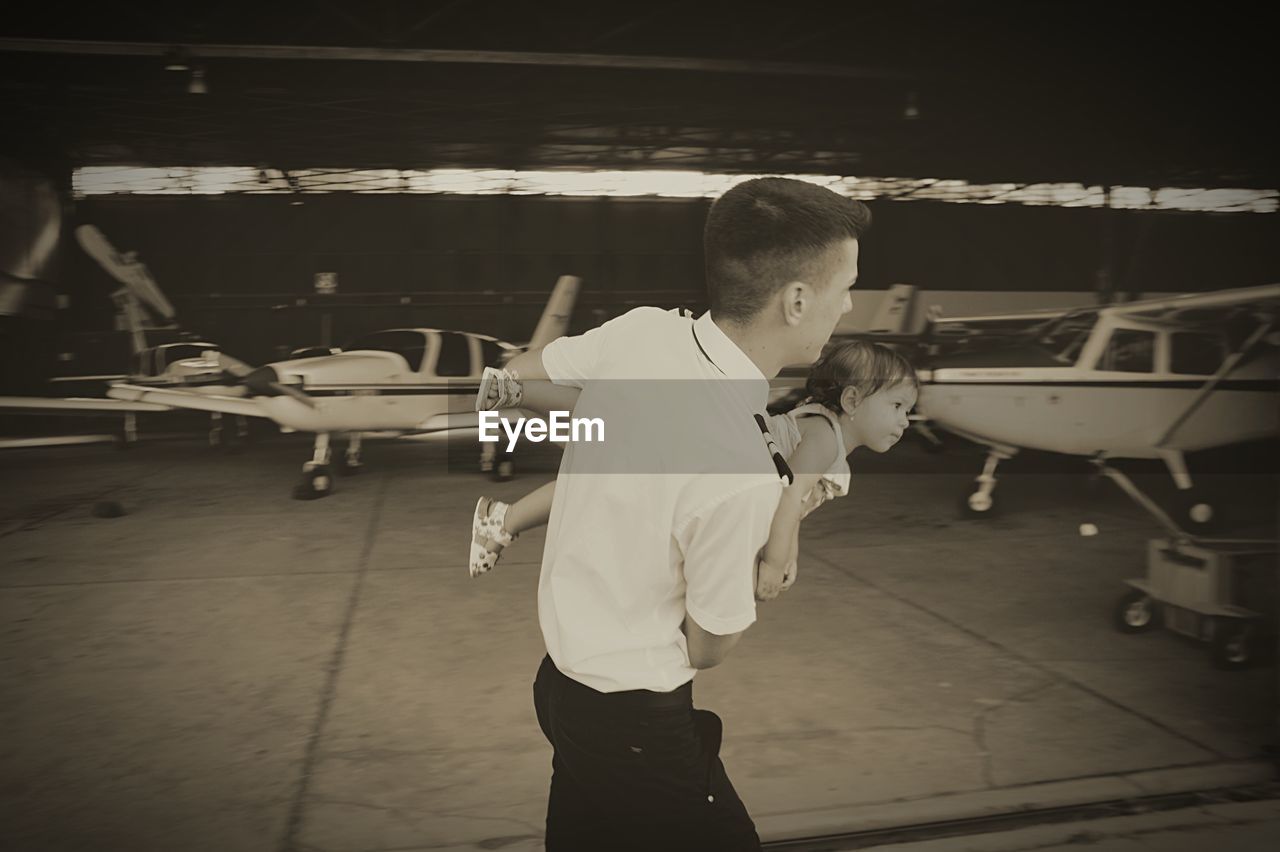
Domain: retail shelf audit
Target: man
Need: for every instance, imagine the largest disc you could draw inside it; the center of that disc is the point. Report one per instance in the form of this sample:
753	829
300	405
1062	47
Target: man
647	578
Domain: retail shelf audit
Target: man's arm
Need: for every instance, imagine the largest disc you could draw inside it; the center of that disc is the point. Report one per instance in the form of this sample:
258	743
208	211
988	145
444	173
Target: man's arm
539	392
707	650
720	545
814	455
528	365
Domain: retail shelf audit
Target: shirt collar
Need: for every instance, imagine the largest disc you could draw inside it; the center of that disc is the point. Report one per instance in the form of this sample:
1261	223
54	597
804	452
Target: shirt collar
731	360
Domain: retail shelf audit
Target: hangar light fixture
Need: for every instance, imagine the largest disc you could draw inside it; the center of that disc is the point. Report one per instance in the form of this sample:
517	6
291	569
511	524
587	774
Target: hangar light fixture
218	180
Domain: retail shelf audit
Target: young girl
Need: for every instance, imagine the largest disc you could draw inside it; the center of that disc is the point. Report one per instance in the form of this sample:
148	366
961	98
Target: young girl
859	394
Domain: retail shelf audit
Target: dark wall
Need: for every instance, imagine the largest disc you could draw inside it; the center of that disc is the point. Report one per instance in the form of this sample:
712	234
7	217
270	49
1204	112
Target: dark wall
240	268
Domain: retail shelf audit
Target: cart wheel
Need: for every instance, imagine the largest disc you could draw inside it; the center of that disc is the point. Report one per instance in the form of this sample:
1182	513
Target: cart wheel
1136	612
1233	647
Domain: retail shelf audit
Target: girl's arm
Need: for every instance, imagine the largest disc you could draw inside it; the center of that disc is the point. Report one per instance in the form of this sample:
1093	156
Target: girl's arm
812	457
544	396
539	392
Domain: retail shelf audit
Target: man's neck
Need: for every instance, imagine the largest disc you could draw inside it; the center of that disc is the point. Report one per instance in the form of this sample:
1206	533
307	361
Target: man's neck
755	344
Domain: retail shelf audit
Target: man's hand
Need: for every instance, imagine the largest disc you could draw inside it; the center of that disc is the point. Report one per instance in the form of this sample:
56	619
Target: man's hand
769	580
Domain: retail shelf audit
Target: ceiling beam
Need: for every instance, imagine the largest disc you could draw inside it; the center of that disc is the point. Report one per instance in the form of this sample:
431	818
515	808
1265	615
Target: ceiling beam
471	57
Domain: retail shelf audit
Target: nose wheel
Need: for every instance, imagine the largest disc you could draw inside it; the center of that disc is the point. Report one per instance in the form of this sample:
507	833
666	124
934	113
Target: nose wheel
315	483
981	502
978	504
317	477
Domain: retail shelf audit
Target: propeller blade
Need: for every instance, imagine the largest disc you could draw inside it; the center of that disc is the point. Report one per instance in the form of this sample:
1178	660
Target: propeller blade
239	369
300	396
262	379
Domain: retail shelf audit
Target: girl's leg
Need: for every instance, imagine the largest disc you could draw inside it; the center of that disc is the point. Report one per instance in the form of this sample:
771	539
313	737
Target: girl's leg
531	510
496	524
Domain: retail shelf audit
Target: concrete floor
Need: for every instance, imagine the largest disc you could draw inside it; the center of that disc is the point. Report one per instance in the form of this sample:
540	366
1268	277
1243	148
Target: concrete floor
225	668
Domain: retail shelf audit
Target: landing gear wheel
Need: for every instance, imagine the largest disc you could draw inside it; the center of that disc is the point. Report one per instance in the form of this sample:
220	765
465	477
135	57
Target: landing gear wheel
226	439
316	482
975	504
1197	514
504	470
347	467
1233	646
1136	612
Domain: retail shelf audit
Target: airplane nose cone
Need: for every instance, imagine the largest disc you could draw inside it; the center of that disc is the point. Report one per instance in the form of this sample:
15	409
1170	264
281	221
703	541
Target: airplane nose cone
260	381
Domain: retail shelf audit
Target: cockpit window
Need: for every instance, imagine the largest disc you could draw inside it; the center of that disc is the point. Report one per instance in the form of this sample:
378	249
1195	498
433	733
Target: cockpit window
1197	353
493	354
180	352
410	345
1066	336
1129	350
455	355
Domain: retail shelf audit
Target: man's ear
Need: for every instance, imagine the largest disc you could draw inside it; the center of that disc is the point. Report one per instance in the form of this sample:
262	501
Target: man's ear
849	399
797	297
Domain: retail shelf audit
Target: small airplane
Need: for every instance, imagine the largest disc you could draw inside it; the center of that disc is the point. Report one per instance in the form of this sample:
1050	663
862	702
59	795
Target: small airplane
143	312
400	381
1146	379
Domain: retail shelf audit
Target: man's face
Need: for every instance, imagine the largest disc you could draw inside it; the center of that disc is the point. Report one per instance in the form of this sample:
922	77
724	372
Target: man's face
832	299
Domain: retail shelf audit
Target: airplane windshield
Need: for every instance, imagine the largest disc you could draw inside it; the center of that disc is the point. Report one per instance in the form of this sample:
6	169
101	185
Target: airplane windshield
410	345
1066	336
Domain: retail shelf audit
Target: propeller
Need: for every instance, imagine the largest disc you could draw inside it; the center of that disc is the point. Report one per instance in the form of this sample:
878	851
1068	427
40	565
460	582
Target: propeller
261	380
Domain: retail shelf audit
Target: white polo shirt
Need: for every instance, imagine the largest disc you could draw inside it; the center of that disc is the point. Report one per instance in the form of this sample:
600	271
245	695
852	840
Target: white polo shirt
628	552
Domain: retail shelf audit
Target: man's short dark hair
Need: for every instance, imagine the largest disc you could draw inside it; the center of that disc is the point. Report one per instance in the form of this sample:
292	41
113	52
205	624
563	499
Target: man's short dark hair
766	232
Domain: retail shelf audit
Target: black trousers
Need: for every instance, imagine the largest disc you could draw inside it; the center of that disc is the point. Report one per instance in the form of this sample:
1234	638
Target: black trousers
636	770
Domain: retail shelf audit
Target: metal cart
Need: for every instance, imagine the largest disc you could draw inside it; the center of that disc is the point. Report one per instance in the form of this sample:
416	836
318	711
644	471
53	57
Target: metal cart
1216	590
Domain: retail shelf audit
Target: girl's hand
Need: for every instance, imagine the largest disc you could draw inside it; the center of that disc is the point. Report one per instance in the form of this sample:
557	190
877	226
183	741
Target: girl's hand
816	497
788	576
769	579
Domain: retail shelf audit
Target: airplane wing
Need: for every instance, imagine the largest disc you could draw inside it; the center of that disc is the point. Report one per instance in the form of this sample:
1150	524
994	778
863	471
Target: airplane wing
1201	308
895	311
467	419
167	398
76	405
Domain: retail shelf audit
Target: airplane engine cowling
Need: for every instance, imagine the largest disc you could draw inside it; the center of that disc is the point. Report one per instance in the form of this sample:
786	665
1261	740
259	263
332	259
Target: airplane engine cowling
260	381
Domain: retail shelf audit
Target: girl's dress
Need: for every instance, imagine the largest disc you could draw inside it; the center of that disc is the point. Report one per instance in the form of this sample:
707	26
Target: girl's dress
786	434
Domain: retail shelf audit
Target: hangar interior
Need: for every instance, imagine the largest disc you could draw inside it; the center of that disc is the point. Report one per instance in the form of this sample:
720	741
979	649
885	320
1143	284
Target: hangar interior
198	661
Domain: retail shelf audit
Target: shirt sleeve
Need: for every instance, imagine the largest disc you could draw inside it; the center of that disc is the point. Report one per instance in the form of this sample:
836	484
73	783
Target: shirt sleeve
719	545
572	361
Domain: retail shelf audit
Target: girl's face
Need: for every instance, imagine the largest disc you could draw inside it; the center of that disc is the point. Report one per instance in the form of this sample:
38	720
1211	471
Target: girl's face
879	420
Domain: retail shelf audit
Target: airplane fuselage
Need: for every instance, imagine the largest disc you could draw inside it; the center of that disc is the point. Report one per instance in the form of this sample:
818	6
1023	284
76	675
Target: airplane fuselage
1082	412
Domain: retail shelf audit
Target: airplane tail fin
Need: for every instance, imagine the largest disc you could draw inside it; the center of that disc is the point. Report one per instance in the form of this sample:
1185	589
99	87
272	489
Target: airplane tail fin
895	310
554	321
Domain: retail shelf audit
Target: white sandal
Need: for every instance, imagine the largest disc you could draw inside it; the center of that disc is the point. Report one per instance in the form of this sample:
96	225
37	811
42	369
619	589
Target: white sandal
488	536
498	389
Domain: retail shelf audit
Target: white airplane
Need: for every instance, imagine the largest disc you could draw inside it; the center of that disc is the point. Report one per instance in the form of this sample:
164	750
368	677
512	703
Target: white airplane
398	381
141	308
1148	379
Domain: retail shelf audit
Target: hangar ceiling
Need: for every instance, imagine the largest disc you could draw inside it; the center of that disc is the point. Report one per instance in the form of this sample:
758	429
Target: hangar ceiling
1124	94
